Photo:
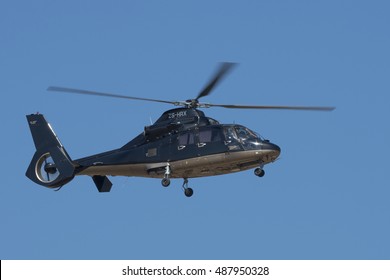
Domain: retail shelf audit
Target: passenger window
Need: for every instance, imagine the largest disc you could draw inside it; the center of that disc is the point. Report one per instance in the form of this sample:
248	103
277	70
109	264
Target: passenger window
183	139
216	136
210	135
191	138
186	139
205	136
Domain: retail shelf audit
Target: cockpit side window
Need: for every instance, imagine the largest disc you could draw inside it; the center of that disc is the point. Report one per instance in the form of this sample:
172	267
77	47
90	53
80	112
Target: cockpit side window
230	133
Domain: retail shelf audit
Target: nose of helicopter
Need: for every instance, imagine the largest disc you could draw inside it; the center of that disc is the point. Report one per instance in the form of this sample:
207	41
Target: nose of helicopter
272	148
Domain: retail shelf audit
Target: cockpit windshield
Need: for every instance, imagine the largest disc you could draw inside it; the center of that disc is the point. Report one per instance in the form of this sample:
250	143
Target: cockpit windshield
246	137
244	133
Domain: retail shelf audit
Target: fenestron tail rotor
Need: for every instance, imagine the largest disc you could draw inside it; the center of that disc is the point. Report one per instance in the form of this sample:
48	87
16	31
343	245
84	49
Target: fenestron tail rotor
223	69
46	170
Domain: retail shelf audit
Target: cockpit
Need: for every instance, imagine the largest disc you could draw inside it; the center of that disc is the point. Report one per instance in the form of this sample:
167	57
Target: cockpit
248	139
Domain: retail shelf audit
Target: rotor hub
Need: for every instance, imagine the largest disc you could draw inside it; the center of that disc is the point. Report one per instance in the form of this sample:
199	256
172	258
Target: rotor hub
192	103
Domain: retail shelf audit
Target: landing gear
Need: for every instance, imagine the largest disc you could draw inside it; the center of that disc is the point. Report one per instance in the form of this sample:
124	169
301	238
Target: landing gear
165	182
188	192
259	172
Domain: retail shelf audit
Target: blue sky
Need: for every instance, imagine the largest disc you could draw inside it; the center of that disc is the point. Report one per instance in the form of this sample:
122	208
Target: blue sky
326	198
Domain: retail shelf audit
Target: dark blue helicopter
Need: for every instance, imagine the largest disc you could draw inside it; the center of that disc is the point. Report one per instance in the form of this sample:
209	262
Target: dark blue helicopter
182	143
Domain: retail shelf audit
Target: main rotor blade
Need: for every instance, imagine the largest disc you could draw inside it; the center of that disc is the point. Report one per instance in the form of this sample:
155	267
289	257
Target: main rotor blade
88	92
223	69
309	108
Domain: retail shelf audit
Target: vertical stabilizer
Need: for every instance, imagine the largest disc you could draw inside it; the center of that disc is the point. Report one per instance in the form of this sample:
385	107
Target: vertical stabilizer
51	165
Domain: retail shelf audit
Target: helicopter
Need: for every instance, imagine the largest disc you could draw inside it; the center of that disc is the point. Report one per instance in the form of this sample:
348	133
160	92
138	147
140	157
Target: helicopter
183	143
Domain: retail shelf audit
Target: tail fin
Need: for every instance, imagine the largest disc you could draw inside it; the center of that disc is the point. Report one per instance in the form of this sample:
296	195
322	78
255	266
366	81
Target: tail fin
51	165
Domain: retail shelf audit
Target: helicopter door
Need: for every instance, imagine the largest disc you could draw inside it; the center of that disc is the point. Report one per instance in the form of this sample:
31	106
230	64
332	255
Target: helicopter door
186	142
186	139
210	141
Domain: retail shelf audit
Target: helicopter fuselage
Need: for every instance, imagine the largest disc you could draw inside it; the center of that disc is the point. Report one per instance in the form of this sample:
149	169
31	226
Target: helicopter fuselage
187	141
182	143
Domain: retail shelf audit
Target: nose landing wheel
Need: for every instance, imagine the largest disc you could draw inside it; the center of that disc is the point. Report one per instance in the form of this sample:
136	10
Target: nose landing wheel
259	172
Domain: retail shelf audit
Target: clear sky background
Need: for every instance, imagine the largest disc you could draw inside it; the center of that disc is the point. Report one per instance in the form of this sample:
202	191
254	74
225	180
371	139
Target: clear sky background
326	198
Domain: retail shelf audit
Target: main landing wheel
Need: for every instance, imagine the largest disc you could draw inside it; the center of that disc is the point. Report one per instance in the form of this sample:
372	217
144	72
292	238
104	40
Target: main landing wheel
259	172
165	182
188	192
